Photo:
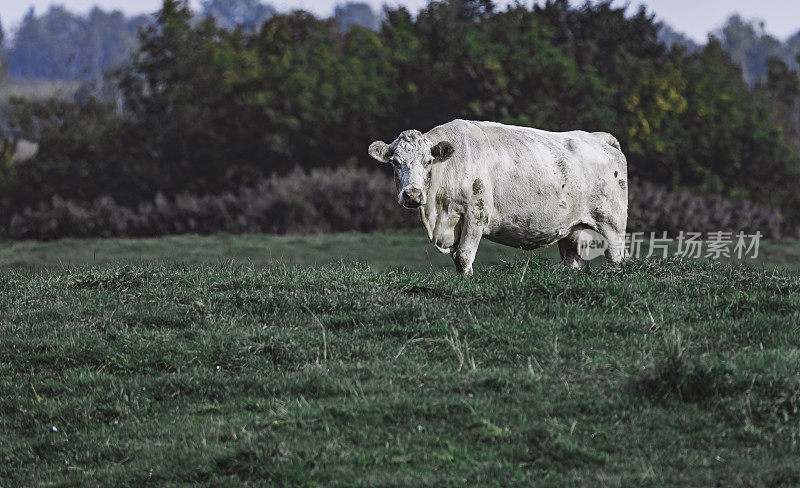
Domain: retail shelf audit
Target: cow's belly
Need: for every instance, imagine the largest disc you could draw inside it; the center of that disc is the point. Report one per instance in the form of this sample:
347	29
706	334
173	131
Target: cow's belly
528	231
535	212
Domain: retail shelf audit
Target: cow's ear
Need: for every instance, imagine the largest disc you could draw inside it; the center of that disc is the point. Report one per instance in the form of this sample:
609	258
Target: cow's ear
442	151
380	151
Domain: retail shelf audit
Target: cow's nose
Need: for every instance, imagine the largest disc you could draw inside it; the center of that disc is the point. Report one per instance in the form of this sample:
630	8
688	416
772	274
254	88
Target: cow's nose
412	195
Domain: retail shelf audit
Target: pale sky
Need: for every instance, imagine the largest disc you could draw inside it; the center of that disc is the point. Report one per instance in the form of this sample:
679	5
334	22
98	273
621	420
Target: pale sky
693	17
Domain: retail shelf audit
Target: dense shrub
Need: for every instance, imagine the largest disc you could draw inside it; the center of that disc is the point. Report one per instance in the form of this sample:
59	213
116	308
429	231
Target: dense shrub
317	202
337	201
653	208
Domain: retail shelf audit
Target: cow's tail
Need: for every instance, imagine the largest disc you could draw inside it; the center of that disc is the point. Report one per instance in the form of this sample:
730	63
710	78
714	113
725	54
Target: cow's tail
608	139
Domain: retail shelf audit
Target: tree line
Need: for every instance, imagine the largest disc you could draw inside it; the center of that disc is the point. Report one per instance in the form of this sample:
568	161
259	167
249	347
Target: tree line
61	45
205	108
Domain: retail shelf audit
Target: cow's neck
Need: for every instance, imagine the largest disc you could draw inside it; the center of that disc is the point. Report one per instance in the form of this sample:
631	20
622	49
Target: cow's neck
428	211
427	214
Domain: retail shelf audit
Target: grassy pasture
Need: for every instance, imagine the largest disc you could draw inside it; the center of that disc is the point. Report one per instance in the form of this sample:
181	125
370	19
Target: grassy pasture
380	250
232	368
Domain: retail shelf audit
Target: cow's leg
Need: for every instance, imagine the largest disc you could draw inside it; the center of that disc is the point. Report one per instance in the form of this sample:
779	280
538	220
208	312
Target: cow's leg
615	250
464	255
568	248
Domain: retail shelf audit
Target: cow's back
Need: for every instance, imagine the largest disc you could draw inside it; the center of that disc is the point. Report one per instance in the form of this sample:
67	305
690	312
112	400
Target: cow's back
495	144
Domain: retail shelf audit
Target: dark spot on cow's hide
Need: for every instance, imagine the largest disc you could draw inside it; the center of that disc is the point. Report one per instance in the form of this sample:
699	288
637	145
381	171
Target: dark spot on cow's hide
622	184
616	173
562	186
562	167
477	187
571	145
481	218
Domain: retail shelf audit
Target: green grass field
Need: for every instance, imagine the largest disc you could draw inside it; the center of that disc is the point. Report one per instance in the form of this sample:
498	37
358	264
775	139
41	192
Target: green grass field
380	250
219	362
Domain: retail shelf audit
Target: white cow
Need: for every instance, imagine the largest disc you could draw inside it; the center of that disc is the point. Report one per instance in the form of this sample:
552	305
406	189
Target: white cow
518	186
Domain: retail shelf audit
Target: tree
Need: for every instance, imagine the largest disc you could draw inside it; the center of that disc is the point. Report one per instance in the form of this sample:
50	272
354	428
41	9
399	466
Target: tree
674	39
230	14
3	54
171	89
782	89
749	45
63	46
356	13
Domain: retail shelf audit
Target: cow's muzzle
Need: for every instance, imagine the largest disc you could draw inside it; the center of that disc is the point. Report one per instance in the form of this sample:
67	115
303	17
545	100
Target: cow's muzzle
411	197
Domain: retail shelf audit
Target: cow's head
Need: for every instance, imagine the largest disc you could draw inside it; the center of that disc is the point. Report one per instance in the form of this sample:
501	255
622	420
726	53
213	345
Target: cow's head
412	155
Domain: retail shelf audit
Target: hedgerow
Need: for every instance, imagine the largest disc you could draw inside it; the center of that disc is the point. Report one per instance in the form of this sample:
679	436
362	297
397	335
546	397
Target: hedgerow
340	200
